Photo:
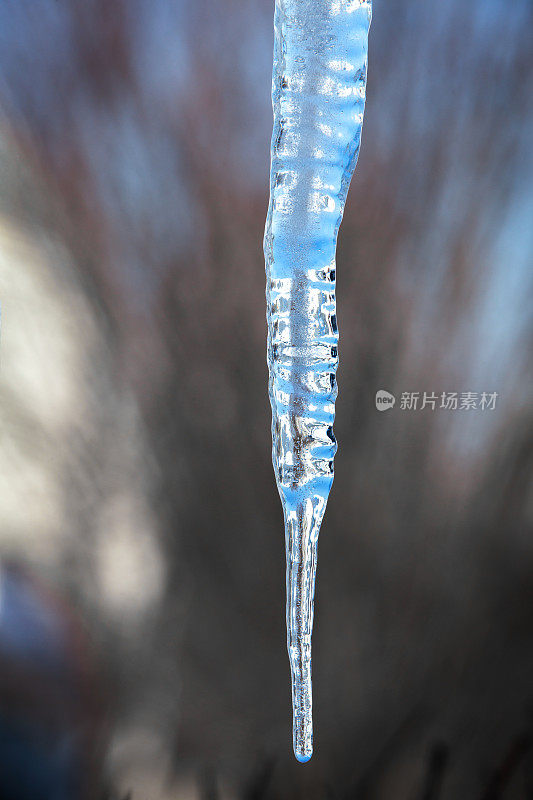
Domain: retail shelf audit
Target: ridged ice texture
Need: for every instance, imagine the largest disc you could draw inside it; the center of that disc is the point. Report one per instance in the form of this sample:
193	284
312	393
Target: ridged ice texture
318	91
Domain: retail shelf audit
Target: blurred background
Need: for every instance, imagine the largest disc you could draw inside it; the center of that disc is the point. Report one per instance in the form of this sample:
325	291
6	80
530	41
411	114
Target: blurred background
142	641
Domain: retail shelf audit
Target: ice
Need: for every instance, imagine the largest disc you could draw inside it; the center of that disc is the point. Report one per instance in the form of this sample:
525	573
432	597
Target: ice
318	95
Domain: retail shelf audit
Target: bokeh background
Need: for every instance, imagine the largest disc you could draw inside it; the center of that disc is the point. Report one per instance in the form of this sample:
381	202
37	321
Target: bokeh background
142	642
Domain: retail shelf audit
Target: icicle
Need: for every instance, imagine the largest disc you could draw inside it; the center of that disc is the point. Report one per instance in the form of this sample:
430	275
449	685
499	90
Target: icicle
318	91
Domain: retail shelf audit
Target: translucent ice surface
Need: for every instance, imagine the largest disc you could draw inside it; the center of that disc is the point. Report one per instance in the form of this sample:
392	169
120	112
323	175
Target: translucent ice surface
318	93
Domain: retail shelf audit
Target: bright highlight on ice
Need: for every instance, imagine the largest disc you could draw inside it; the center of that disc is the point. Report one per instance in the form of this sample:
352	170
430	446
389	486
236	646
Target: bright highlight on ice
318	95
